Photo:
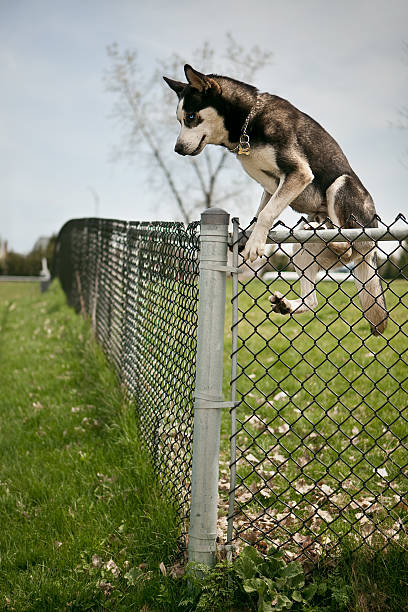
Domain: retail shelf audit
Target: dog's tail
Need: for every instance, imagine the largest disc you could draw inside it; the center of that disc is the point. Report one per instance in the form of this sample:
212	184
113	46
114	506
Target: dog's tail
369	288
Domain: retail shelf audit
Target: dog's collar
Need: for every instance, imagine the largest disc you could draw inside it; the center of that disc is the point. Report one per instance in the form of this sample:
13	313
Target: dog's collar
244	145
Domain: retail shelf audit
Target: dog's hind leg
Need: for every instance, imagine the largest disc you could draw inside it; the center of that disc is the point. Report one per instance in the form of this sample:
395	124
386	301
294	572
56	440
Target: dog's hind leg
368	285
347	198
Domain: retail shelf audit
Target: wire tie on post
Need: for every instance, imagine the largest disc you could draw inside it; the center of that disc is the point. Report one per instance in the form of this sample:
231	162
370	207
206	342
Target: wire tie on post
218	268
207	402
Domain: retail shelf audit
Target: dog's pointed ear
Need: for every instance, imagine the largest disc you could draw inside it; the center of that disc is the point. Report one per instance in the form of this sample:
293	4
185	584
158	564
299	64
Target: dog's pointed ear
176	86
200	81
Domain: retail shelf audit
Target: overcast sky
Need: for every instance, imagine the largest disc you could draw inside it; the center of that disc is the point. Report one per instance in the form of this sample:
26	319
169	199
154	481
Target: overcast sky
341	62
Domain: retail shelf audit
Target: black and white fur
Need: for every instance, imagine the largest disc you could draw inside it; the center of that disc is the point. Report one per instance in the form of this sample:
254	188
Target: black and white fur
299	165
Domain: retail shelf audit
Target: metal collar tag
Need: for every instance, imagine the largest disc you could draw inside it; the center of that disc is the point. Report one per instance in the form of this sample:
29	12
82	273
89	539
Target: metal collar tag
244	146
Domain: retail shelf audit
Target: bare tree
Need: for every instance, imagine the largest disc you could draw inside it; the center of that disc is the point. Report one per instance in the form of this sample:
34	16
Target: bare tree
145	110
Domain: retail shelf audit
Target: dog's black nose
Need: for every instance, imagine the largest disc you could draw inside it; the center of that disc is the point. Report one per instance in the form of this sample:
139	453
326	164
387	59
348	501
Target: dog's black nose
179	149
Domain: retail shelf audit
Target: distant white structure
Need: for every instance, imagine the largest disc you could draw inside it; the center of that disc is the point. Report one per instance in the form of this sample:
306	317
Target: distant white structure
44	275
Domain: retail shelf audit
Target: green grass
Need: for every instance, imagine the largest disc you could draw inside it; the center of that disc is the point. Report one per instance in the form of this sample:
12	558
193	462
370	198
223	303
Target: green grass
363	582
84	523
76	488
324	407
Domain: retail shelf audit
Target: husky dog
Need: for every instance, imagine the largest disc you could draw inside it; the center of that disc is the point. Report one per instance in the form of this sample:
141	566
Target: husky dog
298	164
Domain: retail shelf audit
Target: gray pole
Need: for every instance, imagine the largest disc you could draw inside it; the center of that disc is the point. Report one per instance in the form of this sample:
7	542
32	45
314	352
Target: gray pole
208	387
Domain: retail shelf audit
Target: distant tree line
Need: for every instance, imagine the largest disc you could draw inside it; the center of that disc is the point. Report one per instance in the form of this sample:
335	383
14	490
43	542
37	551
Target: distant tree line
17	264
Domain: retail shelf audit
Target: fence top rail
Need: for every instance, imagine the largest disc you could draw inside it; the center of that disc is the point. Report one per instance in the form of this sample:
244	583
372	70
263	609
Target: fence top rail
279	236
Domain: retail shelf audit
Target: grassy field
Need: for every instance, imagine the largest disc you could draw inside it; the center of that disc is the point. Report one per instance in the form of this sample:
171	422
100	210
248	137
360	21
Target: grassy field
321	429
84	524
80	509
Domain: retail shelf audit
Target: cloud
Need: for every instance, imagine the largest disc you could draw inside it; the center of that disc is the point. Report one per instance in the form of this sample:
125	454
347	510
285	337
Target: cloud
340	62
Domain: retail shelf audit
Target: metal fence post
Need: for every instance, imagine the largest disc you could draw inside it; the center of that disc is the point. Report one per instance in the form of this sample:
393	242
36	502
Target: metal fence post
208	388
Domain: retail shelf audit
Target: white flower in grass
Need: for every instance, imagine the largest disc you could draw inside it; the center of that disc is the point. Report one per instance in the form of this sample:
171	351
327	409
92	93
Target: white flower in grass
112	567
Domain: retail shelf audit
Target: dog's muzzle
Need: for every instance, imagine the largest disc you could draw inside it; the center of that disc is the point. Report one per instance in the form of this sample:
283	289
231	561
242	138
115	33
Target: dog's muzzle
179	148
182	150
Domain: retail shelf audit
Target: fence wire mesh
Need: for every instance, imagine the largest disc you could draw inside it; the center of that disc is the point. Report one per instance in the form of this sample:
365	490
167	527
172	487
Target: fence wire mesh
319	437
138	283
319	447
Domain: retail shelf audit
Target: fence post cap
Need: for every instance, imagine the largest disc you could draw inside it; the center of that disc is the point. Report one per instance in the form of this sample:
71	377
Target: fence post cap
215	216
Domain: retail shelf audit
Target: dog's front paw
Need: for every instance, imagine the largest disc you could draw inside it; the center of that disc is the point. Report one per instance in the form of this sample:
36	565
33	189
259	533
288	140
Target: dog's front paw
255	246
279	303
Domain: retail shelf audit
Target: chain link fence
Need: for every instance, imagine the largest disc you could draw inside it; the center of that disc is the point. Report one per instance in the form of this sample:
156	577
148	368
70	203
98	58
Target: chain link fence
319	407
138	284
319	446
